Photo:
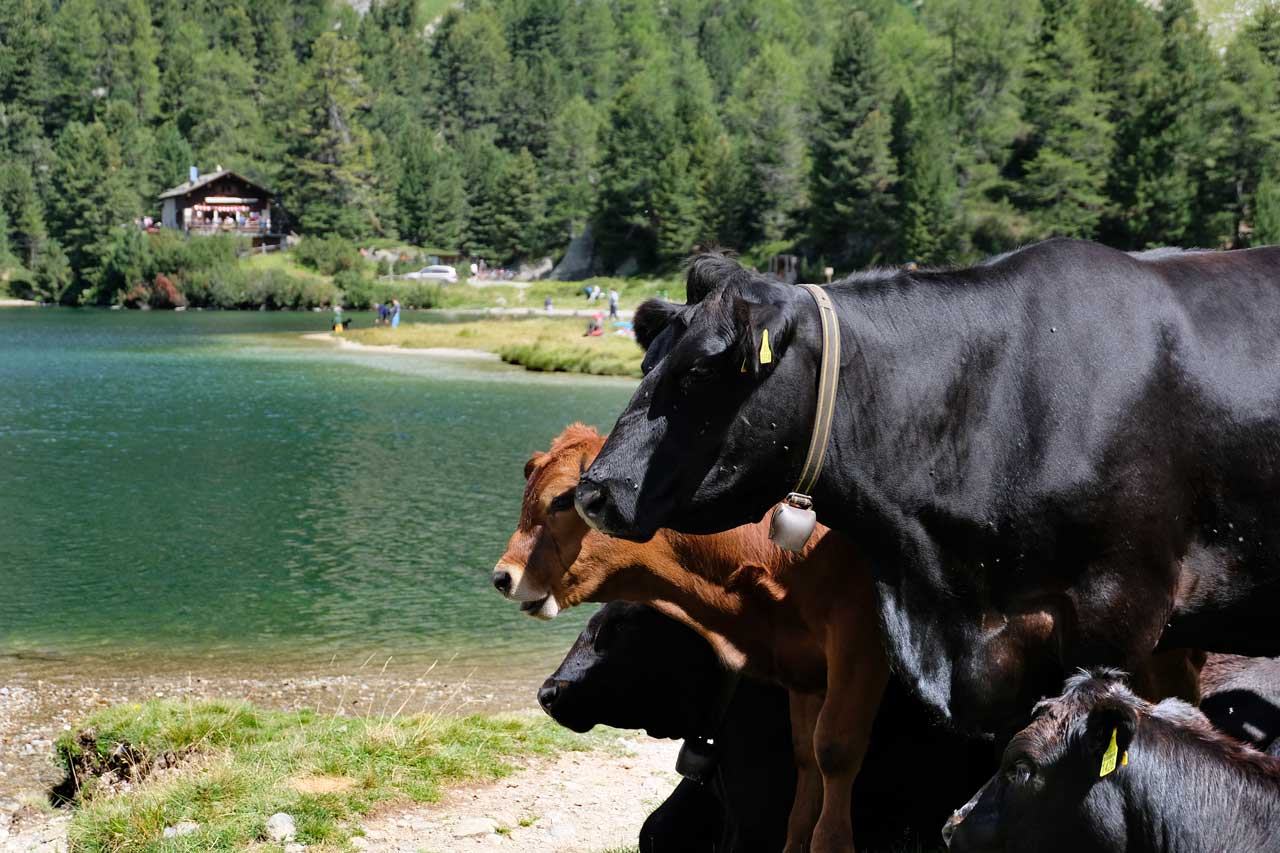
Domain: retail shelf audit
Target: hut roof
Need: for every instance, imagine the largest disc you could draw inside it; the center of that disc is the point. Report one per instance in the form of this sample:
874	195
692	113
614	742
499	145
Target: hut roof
191	186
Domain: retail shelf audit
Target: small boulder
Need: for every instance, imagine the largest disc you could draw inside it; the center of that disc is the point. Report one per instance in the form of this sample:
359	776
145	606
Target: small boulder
281	828
475	827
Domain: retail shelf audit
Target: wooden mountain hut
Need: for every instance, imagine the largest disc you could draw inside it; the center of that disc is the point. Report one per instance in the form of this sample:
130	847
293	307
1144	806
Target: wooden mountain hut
221	202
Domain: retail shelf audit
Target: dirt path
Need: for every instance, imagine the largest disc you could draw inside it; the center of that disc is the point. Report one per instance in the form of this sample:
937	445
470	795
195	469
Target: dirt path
578	802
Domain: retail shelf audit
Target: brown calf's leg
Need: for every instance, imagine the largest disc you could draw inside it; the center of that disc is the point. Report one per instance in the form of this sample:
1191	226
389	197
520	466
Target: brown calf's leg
856	677
808	800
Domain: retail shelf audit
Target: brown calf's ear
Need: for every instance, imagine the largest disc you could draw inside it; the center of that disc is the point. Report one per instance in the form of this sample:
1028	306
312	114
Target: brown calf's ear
763	332
534	461
1108	734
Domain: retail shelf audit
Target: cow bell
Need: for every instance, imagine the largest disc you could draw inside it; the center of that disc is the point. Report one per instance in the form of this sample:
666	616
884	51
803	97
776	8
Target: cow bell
792	522
697	760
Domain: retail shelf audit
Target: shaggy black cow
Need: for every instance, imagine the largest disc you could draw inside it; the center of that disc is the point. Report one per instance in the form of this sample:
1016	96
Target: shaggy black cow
635	668
1058	458
1101	771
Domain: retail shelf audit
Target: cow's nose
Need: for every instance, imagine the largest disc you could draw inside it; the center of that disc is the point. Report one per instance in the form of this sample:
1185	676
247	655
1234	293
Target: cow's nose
547	696
502	581
590	499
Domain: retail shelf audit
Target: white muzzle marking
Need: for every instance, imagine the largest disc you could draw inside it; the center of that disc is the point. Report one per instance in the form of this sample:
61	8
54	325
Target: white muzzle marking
521	588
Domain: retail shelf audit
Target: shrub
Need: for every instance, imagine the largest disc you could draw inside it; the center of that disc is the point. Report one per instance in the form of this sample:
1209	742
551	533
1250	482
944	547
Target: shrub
329	255
361	292
159	293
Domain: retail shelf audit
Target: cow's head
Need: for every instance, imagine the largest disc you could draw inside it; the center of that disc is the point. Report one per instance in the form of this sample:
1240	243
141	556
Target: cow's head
633	668
549	535
1059	782
718	429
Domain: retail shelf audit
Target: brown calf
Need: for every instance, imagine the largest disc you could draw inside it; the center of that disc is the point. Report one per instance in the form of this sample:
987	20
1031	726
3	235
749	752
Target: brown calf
807	622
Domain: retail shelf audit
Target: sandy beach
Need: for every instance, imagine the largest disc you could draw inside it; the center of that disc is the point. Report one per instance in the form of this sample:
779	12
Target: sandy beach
450	352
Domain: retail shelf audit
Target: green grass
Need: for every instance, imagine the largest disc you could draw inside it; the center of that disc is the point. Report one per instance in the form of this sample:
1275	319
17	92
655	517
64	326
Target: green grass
247	764
282	261
543	344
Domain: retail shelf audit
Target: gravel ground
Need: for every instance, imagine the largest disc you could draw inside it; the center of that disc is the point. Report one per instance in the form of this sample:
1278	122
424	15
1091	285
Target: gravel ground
575	803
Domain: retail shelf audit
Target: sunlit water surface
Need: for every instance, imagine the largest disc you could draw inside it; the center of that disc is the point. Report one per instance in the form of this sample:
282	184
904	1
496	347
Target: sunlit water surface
208	492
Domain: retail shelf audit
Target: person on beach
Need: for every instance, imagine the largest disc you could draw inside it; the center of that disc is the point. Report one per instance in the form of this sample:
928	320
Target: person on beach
613	304
546	304
595	326
395	313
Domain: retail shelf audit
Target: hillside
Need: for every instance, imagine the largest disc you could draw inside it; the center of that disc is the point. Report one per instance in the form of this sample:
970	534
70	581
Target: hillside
846	132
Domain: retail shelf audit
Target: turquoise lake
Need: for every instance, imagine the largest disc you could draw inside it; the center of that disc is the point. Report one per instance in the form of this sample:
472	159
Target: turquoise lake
188	491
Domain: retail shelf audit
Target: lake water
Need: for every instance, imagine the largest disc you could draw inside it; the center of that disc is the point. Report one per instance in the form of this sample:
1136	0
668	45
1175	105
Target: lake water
208	492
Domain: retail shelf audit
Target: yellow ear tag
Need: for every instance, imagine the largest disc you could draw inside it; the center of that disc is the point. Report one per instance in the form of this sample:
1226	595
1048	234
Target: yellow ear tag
766	354
744	366
1109	757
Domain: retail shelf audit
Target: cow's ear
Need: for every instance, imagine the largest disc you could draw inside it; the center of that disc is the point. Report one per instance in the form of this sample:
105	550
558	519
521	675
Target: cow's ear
652	316
1108	733
534	461
762	335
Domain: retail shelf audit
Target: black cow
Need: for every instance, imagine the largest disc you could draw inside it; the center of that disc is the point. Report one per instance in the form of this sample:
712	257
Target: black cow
1101	771
1053	458
634	668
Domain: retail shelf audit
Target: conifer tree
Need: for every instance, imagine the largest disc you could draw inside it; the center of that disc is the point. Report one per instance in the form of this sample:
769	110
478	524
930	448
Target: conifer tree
172	158
92	201
329	176
484	165
1070	140
430	198
1266	211
642	132
471	69
1176	133
853	172
130	71
76	64
19	197
766	115
984	54
1124	37
1252	120
928	212
570	165
24	54
677	220
8	261
521	220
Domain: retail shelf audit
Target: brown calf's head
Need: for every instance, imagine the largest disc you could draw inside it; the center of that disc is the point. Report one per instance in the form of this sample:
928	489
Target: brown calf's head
549	535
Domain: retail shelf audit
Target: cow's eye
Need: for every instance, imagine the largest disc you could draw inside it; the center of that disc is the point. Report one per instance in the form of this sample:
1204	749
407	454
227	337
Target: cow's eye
698	374
1022	772
561	502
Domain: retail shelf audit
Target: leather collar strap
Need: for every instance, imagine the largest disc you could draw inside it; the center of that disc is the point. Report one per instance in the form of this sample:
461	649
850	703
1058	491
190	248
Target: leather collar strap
828	385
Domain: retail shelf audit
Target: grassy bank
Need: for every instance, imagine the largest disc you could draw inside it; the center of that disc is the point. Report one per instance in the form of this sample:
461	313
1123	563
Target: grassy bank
238	765
543	344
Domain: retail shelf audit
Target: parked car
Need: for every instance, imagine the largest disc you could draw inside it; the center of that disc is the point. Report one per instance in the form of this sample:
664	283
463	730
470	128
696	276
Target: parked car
435	272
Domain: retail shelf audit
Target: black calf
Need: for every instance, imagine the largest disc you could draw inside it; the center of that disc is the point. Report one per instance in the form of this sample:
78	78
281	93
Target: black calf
635	668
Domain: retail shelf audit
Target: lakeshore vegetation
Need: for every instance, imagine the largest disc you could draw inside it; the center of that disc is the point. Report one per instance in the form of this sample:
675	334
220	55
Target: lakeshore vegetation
541	344
846	132
235	765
